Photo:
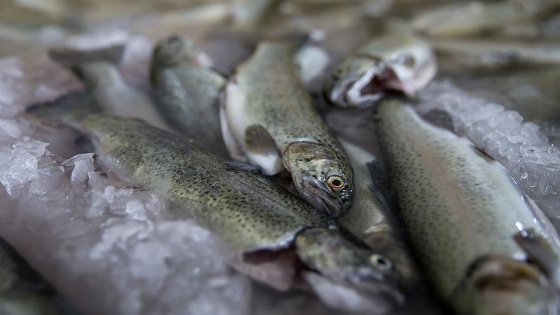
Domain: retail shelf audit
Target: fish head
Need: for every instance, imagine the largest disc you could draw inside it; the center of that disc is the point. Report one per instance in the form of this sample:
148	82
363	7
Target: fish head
353	83
502	285
400	63
345	275
175	50
322	176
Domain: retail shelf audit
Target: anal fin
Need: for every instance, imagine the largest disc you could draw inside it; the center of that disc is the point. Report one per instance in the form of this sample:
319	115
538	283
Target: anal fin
539	250
241	166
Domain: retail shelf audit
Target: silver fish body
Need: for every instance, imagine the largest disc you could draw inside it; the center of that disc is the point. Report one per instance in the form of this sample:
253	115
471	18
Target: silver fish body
268	118
188	91
372	219
463	213
400	61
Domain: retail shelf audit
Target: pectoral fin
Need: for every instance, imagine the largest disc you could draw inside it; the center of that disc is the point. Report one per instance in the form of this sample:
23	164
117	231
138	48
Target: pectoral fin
539	250
261	150
380	181
233	147
241	166
259	141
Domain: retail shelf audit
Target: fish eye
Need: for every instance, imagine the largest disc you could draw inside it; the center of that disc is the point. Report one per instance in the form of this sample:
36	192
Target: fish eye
406	60
381	262
336	182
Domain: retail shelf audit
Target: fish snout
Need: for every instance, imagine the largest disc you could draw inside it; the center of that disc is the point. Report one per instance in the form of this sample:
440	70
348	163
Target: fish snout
322	198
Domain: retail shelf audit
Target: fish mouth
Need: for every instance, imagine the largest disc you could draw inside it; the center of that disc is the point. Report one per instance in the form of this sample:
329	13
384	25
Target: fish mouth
321	197
364	90
372	86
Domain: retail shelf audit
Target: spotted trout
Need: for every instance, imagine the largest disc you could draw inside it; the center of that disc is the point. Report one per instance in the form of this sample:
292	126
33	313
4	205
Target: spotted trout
484	248
268	118
278	238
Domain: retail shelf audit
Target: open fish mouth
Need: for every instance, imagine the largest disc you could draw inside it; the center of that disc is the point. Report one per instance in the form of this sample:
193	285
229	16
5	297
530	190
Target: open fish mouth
367	89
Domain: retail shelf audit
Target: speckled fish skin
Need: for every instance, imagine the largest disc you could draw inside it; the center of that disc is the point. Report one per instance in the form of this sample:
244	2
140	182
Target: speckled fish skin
374	222
227	201
189	91
400	62
22	291
462	212
266	96
244	209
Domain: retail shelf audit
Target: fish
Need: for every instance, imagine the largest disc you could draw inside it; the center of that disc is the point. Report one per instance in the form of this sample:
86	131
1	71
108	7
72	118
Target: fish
269	120
22	290
496	54
272	233
397	61
189	91
478	17
98	69
372	220
469	225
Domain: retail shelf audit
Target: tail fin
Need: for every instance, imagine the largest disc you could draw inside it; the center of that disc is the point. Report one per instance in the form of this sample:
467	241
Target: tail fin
74	58
69	110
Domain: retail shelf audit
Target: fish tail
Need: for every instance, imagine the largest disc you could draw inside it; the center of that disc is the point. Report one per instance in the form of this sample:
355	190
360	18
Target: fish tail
70	109
74	58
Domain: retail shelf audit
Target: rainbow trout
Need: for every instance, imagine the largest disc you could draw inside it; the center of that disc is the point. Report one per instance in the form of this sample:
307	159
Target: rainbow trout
484	249
268	118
